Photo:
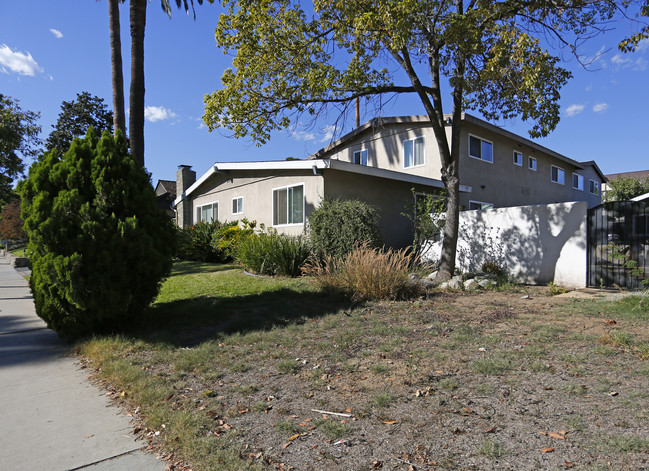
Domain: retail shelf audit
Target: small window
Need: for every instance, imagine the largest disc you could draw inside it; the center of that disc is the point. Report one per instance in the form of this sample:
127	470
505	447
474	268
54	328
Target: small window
207	212
480	205
578	181
531	163
413	152
558	175
360	157
288	205
593	187
480	149
237	205
518	158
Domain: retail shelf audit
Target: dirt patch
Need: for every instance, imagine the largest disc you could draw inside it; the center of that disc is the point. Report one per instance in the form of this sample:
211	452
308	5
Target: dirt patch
496	380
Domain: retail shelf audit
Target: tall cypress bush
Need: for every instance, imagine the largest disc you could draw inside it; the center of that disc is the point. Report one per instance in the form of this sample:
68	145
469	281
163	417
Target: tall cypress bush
100	246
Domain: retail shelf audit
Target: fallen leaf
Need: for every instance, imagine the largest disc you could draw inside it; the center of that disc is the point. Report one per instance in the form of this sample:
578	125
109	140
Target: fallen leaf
390	422
293	437
610	321
613	393
286	445
547	450
569	464
490	430
348	410
558	436
244	411
376	464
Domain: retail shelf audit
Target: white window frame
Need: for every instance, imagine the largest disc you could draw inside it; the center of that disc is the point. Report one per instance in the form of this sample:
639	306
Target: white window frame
482	140
286	187
414	157
561	175
199	208
239	205
483	205
361	153
531	163
595	184
580	182
518	161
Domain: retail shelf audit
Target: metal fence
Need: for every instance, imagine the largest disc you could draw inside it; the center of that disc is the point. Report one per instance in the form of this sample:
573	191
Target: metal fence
618	244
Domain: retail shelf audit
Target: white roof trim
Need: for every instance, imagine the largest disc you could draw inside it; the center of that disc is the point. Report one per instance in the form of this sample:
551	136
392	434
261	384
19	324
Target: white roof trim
316	164
641	197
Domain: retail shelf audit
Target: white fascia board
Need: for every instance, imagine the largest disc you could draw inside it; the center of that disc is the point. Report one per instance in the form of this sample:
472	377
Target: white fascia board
640	198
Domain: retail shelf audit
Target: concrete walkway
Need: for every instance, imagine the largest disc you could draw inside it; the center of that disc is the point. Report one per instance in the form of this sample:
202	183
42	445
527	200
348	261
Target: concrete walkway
51	418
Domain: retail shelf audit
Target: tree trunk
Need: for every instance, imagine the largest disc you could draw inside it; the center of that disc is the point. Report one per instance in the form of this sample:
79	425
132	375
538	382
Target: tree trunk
119	121
136	95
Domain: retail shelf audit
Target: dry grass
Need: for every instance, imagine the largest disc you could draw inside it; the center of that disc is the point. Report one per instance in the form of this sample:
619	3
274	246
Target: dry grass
366	273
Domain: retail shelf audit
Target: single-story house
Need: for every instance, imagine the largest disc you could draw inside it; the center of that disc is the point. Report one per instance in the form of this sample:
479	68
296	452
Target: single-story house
381	162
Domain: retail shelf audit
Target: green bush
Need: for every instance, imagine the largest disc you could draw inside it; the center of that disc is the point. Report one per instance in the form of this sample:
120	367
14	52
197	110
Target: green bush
337	225
269	253
99	244
214	242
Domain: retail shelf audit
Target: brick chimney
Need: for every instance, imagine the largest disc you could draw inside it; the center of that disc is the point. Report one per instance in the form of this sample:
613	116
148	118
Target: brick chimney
185	177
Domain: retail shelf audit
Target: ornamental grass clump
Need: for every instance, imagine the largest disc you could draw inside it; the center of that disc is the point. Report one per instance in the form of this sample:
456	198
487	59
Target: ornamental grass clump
366	273
99	244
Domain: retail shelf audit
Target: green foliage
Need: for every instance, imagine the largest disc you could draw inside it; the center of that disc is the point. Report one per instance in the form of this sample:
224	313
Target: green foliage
337	226
620	255
18	140
270	253
76	117
427	217
99	244
366	273
625	188
214	242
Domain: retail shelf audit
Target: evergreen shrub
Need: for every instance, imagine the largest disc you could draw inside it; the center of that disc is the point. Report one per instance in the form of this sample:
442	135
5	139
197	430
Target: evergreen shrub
338	225
99	244
214	242
270	253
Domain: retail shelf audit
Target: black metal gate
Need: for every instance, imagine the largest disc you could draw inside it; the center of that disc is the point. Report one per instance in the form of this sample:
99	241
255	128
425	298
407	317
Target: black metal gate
618	244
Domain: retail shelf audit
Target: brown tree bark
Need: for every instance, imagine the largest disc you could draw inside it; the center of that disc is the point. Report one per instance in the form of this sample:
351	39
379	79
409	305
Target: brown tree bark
136	95
119	121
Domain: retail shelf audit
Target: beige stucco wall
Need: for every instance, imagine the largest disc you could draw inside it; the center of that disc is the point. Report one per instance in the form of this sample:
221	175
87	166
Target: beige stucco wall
256	188
501	183
534	244
392	197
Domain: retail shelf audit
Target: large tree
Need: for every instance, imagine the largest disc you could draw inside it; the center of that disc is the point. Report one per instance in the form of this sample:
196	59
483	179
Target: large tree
625	188
292	60
18	141
117	76
76	117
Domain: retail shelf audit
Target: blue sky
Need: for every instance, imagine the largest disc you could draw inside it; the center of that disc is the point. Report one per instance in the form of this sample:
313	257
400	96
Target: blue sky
51	50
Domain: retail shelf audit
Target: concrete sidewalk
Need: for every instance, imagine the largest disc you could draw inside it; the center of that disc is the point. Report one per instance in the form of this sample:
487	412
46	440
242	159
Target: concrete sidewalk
51	418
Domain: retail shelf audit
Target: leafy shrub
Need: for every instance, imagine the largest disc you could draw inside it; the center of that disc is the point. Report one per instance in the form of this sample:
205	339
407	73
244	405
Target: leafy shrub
214	242
99	244
366	273
338	225
270	253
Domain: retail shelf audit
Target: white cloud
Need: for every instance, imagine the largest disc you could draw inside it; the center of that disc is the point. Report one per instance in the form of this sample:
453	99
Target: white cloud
17	62
57	34
600	107
643	45
328	133
574	110
641	64
157	113
620	60
303	136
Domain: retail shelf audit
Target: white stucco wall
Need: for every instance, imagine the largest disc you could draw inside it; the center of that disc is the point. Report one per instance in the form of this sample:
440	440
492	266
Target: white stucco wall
534	244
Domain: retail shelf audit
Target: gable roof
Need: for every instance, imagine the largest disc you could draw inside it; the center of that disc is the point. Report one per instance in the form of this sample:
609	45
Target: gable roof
377	123
316	166
591	163
168	185
638	175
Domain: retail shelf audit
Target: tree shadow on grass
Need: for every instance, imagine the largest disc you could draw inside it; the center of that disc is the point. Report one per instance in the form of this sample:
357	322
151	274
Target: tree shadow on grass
192	321
184	267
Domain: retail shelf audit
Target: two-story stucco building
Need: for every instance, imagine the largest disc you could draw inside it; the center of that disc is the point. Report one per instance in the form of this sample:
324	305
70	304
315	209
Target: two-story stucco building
382	162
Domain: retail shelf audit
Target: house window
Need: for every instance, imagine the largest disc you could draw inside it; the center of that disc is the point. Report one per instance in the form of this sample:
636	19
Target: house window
518	158
207	212
237	205
578	181
558	175
479	205
413	152
360	157
593	187
480	149
531	163
288	205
